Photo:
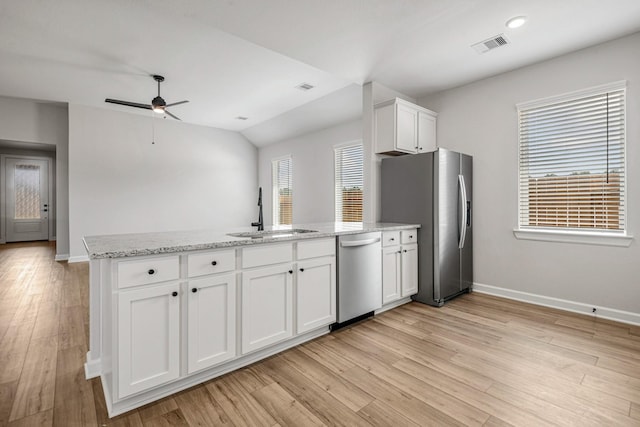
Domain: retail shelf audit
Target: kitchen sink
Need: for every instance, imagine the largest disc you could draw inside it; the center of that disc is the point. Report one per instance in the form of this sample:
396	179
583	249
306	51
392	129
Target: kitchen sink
273	234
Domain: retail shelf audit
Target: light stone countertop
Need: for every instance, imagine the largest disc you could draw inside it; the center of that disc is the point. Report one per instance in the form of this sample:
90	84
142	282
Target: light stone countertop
139	244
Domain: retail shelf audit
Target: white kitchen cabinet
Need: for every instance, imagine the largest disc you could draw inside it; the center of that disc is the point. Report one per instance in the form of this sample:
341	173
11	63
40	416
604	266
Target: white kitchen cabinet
409	260
401	127
211	321
399	265
391	274
148	337
315	293
267	306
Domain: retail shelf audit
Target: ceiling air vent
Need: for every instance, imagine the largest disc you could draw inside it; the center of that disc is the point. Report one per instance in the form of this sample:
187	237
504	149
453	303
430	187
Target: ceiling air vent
242	118
305	86
489	44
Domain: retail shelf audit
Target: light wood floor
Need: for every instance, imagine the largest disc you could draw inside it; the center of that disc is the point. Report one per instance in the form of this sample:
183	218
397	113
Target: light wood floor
479	360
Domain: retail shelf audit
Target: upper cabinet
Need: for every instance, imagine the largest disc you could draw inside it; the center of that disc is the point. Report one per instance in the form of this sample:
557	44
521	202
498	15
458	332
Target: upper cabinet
401	127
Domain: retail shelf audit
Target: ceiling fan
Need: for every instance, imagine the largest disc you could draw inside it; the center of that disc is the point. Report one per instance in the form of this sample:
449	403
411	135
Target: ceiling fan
158	104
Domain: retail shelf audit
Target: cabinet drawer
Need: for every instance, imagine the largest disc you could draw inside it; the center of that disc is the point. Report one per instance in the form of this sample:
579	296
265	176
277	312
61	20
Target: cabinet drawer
316	248
148	270
409	236
211	262
267	254
390	238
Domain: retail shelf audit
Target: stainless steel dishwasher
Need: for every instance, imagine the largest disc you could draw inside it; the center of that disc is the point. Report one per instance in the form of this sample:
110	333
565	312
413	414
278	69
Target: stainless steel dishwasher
359	276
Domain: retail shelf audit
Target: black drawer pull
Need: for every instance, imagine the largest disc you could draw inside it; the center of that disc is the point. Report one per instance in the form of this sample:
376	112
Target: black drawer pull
302	269
152	271
194	290
174	294
290	271
214	262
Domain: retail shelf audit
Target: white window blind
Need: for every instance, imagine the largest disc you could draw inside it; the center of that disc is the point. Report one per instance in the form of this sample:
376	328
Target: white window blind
282	191
572	162
349	182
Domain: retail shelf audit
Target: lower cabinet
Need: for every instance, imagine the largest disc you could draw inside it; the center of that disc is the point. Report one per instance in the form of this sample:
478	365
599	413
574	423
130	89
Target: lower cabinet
315	293
267	306
148	337
399	272
211	321
409	269
391	274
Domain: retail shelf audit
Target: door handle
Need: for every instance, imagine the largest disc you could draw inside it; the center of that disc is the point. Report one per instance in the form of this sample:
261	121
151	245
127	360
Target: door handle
348	244
463	203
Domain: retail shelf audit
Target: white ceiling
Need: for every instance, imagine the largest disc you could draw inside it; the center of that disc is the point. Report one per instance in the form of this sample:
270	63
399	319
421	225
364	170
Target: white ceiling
244	58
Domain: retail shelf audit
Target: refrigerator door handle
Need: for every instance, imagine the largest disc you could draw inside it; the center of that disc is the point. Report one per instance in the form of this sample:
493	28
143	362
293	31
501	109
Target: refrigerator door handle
463	205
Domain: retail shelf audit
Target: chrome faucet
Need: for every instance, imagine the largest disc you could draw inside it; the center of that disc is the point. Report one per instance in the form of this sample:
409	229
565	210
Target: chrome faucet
260	223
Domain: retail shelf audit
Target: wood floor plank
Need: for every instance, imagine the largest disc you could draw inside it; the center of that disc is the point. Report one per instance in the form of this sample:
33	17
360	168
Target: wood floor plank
284	408
635	411
379	414
199	408
78	409
40	419
7	395
312	396
237	403
343	391
36	387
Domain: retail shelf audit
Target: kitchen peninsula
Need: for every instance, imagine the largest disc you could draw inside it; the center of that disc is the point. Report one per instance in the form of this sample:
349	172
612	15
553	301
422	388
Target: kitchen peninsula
170	310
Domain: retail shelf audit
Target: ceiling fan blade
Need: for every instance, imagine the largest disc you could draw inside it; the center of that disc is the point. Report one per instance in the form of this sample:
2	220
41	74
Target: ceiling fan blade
128	104
177	103
169	114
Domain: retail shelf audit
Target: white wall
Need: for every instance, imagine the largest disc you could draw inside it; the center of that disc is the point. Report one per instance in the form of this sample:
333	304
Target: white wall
193	177
313	172
480	119
42	123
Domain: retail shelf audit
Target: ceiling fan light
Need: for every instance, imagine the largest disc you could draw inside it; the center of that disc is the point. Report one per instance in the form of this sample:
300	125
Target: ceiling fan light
158	109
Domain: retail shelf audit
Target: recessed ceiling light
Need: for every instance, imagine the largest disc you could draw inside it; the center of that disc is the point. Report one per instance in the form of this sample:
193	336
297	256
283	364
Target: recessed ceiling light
516	22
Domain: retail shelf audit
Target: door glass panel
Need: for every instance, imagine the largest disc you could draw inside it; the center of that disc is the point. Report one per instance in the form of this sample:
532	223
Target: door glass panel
27	189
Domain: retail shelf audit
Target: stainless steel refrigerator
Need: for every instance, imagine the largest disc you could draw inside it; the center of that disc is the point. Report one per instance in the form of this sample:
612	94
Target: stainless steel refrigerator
435	190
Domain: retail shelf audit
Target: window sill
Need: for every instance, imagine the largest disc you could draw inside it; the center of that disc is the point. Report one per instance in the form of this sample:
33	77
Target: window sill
603	239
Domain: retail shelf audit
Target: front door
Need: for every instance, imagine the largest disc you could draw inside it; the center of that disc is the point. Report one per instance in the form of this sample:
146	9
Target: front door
27	199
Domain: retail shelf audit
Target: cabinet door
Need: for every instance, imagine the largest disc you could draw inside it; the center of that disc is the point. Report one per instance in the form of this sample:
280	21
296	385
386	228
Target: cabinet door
426	132
267	303
390	274
409	270
407	129
316	293
211	322
148	337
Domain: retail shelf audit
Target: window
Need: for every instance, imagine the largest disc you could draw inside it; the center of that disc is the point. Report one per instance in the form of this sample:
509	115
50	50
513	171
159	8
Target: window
349	183
282	193
572	162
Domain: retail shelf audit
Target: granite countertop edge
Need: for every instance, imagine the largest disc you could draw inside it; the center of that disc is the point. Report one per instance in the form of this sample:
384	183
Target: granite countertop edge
144	244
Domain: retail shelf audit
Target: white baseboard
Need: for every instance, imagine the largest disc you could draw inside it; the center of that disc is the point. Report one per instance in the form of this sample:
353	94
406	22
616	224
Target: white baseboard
81	258
62	257
562	304
92	367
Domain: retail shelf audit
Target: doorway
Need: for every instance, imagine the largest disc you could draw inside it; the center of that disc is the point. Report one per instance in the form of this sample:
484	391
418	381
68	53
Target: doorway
27	205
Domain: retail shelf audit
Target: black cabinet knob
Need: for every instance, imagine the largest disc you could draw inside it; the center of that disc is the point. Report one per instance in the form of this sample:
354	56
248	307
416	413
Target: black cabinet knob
405	250
399	252
302	269
174	294
214	262
290	271
392	239
411	236
151	271
194	290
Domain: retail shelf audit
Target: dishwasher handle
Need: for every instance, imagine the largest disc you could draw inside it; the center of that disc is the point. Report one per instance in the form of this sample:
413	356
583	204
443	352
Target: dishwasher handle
353	243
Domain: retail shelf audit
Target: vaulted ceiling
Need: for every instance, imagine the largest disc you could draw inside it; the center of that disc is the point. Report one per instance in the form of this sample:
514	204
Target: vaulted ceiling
245	58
